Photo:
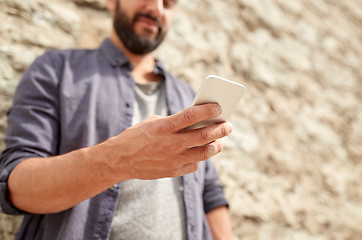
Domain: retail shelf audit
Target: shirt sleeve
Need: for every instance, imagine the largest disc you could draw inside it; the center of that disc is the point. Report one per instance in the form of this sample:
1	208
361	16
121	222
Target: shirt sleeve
213	194
33	122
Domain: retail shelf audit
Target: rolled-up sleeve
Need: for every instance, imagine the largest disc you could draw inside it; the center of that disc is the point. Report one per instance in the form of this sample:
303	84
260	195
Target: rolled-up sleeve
16	158
213	194
33	122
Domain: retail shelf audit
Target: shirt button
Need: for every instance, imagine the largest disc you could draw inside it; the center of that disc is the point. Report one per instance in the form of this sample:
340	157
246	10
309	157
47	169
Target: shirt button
128	74
113	188
128	104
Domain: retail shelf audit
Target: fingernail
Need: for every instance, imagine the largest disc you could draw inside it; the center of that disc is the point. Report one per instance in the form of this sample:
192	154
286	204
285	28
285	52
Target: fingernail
230	127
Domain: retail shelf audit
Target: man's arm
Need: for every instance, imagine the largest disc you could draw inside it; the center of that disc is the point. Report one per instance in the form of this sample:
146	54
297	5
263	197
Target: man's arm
220	224
154	148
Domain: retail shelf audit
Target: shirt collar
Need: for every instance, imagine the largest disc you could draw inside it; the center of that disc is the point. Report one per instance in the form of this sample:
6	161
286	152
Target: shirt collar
117	58
159	68
113	54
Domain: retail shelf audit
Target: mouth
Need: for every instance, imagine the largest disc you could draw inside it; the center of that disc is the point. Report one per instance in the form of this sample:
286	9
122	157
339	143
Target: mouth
148	23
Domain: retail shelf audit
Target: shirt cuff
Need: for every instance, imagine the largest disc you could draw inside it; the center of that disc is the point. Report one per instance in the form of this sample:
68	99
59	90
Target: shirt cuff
5	203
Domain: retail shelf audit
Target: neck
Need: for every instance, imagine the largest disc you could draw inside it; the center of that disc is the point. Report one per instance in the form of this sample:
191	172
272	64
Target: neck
142	64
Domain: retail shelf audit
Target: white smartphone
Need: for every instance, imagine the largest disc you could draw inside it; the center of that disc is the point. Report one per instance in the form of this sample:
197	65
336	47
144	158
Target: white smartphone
218	90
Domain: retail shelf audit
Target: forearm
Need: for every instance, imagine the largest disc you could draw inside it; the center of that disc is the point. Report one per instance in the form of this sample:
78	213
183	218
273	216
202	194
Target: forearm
53	184
162	149
220	224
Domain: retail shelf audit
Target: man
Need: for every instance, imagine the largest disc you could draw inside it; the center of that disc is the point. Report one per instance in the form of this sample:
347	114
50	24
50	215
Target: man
78	169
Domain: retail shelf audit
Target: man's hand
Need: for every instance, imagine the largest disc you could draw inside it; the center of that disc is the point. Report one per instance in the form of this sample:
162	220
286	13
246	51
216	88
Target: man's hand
158	147
155	148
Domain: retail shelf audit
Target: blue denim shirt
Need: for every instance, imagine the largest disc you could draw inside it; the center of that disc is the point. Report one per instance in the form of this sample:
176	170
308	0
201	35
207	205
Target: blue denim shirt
71	99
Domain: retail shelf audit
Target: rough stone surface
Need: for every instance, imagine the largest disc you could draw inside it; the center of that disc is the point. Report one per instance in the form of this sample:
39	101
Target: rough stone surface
292	168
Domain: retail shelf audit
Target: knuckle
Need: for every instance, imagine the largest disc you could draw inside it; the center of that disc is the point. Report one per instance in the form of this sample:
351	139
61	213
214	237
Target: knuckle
174	172
170	126
194	167
190	116
163	148
189	168
206	135
155	117
175	143
174	165
161	125
169	146
179	170
205	155
152	121
209	152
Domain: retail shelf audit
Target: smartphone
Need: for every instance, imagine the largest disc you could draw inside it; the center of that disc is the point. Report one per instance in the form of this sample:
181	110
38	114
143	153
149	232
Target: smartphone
218	90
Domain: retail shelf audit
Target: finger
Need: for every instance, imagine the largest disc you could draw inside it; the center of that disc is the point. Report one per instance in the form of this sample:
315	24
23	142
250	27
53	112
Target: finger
202	136
202	153
191	116
189	168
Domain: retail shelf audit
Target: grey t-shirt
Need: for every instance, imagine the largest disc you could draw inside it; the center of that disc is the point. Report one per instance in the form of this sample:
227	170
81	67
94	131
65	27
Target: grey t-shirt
150	99
150	209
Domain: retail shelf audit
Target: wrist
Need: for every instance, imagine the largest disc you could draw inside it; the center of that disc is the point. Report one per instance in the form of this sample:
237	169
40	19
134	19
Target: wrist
108	162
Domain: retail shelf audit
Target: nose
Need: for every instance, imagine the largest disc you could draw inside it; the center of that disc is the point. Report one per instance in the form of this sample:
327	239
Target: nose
155	8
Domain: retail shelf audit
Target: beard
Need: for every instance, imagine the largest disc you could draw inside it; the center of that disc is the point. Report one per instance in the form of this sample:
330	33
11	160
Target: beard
124	28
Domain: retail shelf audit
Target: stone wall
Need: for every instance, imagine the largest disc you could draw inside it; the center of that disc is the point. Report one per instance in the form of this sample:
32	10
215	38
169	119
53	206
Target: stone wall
292	168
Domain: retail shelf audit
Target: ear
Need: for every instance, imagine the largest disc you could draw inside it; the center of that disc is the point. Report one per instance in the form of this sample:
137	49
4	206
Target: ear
111	6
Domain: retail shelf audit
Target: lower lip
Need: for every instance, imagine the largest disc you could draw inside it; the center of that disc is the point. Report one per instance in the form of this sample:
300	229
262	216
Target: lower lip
148	25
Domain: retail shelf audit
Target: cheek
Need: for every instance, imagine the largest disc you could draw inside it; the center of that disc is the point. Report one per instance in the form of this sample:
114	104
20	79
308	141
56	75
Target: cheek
167	21
128	7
